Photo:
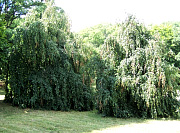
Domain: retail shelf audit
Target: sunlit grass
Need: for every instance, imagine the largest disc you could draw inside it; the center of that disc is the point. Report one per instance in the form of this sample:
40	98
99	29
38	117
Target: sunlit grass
13	119
149	126
28	120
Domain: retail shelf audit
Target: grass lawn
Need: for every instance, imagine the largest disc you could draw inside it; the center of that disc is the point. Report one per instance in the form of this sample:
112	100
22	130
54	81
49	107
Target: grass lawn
13	119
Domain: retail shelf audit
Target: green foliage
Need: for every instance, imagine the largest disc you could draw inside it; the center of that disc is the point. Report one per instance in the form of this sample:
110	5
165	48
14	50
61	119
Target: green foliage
41	71
168	33
97	34
136	70
2	44
136	80
13	9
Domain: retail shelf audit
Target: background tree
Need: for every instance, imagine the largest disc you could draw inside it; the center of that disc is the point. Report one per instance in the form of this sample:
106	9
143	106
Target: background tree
97	34
13	9
168	33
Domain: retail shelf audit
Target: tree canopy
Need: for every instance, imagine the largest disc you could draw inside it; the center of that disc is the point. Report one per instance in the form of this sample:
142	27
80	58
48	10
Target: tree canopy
15	8
136	80
41	72
124	70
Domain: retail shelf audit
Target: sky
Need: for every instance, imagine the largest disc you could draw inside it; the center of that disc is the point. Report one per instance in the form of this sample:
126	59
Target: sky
87	13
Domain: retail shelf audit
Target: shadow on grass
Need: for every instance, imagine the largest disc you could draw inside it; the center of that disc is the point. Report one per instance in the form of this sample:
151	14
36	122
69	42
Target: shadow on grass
2	91
29	120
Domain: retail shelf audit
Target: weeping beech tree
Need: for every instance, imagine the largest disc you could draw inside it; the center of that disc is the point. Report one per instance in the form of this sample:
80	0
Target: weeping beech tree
41	71
82	57
134	79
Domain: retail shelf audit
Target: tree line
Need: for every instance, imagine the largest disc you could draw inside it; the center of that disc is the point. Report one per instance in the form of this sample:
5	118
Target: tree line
45	66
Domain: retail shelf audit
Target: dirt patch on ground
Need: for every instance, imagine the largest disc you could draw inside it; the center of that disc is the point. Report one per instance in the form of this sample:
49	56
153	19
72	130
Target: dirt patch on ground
2	97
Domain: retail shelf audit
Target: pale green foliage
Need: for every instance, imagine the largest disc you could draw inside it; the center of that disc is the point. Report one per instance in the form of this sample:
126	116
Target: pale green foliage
136	80
97	34
178	57
168	33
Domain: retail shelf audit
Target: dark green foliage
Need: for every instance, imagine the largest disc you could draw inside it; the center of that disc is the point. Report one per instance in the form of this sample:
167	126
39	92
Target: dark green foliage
41	72
13	9
49	67
3	42
135	80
